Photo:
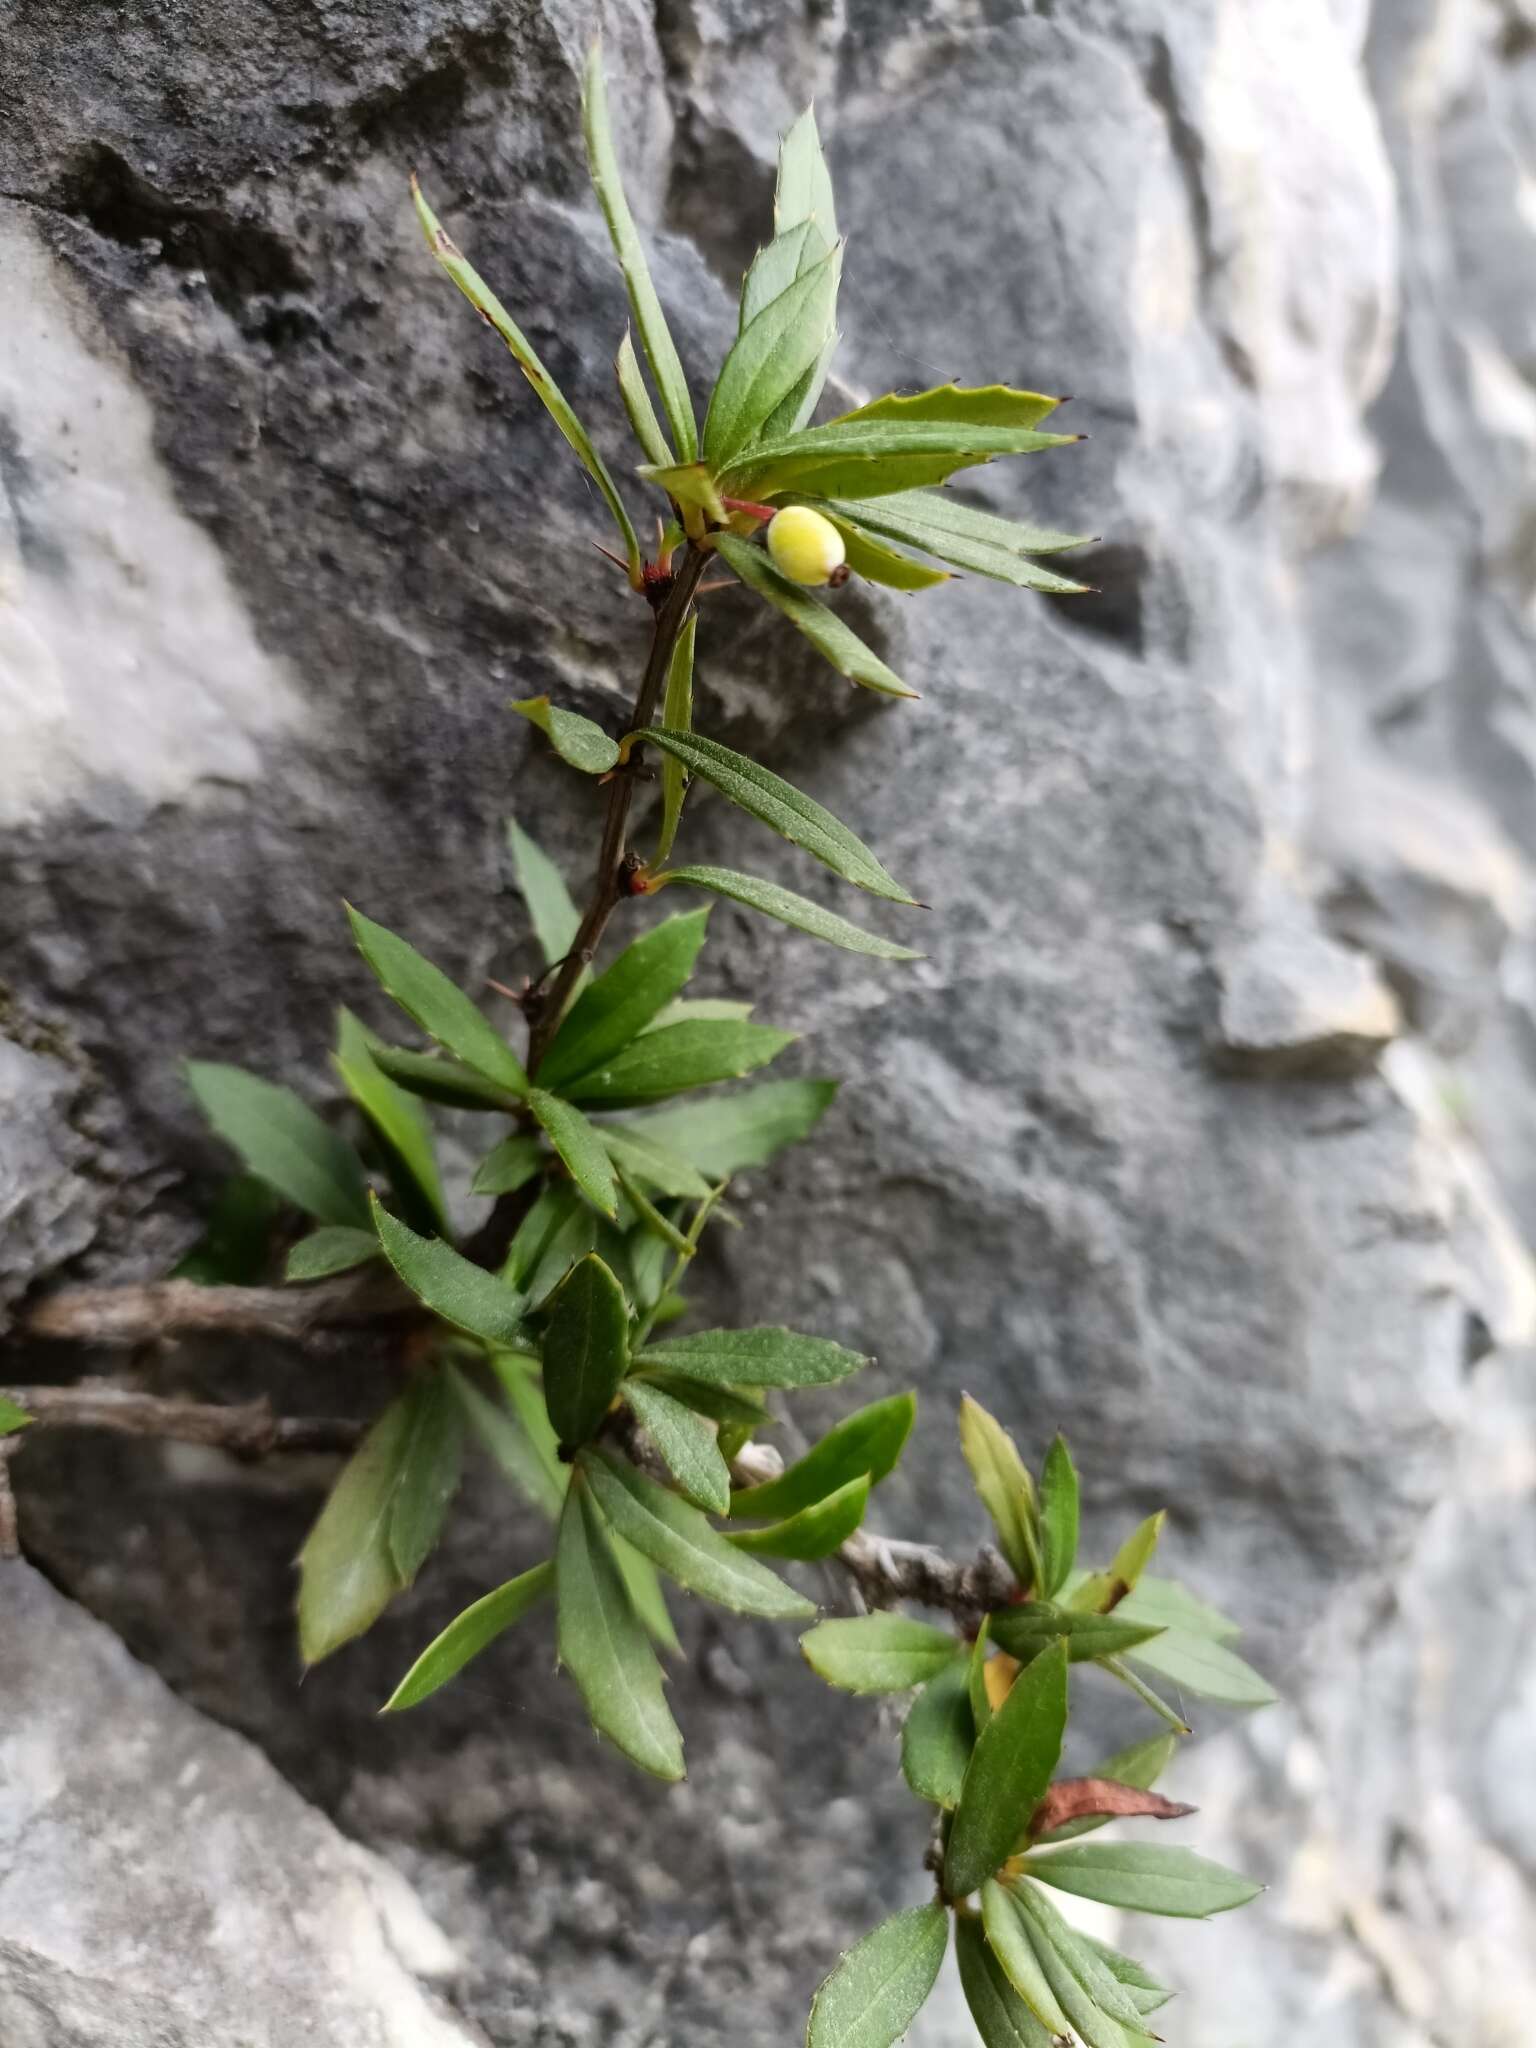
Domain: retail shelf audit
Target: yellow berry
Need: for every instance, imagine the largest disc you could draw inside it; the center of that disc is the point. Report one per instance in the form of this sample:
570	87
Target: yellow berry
804	546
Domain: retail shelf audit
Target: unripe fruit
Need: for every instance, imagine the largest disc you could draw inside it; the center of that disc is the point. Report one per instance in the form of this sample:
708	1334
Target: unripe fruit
806	547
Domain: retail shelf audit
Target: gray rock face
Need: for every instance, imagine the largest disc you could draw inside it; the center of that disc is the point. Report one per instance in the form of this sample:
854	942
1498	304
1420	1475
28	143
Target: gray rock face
1125	1153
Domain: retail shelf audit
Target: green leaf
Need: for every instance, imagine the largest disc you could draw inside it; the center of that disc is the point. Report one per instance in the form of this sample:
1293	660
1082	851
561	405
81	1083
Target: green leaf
653	1219
347	1572
436	1079
283	1142
1173	1606
938	1736
788	908
677	1538
643	1585
701	1009
605	1648
880	1986
815	1531
879	1652
877	563
468	1634
720	1404
1118	1668
976	1675
235	1249
1101	1591
1009	1772
555	916
974	405
443	1011
12	1418
624	999
1009	1937
586	1350
508	1167
1140	1767
1098	2006
1006	1489
461	1293
731	1133
1059	1511
941	524
688	483
579	1145
640	1158
828	633
580	742
429	1474
678	1057
777	348
1024	1630
1003	2020
764	1357
875	458
866	1444
1144	1877
333	1248
783	808
774	268
677	715
1146	1994
686	1442
1206	1668
803	188
555	1207
532	1466
637	403
397	1120
495	314
655	335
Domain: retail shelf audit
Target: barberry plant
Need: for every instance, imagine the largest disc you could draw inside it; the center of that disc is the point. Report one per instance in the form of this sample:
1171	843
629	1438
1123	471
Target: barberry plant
554	1331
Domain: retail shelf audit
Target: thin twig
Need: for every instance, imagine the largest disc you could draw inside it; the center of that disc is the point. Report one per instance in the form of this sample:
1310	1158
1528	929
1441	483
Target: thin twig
162	1309
10	1535
249	1429
887	1569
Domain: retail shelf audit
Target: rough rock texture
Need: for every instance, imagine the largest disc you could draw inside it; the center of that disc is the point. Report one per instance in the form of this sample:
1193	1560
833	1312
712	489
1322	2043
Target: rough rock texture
283	533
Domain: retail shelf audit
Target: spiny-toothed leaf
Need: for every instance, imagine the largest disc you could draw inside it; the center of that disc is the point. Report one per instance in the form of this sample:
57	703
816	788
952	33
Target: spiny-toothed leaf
283	1142
941	524
578	741
731	1133
1208	1669
579	1146
783	808
774	351
877	563
625	998
508	1166
542	887
637	403
532	1466
468	1634
449	1284
605	1647
686	1442
938	1736
655	335
1023	1631
1009	1939
803	188
815	1531
1098	2006
495	314
1175	1607
1003	2020
690	483
679	1057
1140	1767
879	1652
866	1444
1007	1492
774	268
1101	1591
12	1418
764	1357
333	1248
677	715
436	1078
640	1158
676	1537
973	405
788	908
402	1130
1010	1769
874	459
430	1461
1059	1511
586	1350
829	634
442	1010
1145	1877
882	1983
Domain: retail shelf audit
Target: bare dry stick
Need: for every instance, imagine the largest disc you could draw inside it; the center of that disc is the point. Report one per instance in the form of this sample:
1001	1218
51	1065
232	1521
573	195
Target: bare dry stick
163	1309
249	1429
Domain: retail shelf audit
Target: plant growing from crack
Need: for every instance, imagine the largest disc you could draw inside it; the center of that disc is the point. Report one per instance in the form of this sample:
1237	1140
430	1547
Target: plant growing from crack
549	1333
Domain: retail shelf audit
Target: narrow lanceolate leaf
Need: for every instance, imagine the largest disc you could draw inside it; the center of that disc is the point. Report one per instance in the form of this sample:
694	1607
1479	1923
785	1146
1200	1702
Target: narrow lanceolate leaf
1101	1591
1009	1939
398	1122
815	1531
655	335
522	1384
1118	1668
1003	2020
1009	1773
774	269
283	1142
347	1572
974	405
788	908
677	715
1097	2004
1138	1767
1092	1801
333	1248
876	562
654	1221
491	310
865	1444
550	904
605	1648
690	483
637	403
879	1652
443	1011
782	807
1147	1995
977	1688
461	1293
732	1133
1006	1489
686	1442
559	1229
1173	1606
579	1145
468	1634
803	188
828	633
641	1159
728	1405
874	459
508	1166
882	1983
761	1357
1059	1510
679	1057
938	1736
430	1463
1145	1877
12	1418
586	1350
1023	1631
498	1428
625	998
578	741
980	542
773	352
438	1079
1208	1669
678	1539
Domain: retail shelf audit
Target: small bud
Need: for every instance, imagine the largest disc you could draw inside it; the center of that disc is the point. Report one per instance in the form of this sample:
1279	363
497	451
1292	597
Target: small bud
805	547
